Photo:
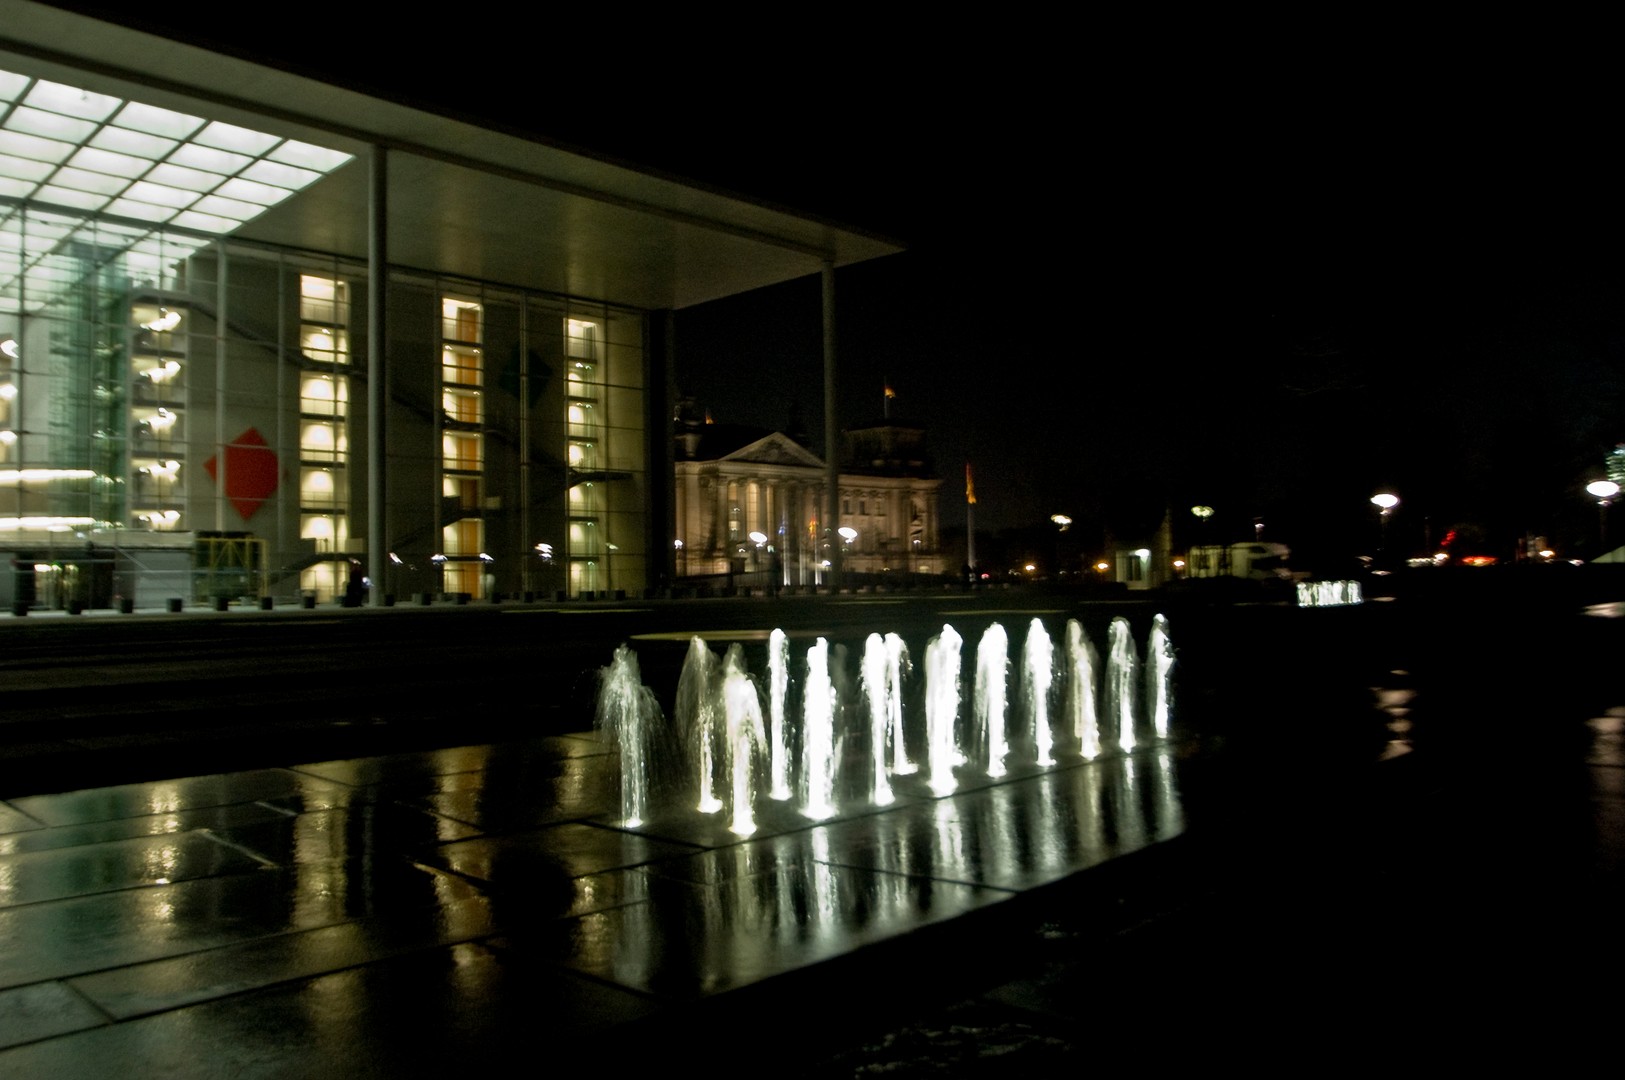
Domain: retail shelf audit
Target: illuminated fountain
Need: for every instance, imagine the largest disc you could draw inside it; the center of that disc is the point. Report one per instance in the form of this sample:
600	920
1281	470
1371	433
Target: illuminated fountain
628	713
735	735
991	698
1159	668
818	736
942	709
778	675
880	690
745	742
1082	696
1038	670
698	703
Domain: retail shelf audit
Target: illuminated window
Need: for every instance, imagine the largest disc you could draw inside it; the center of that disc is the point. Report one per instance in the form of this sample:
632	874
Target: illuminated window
461	450
464	491
462	538
323	395
324	313
460	320
324	300
461	406
321	440
320	488
581	339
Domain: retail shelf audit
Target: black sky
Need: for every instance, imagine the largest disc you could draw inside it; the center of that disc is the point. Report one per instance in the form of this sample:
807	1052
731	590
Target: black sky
1268	268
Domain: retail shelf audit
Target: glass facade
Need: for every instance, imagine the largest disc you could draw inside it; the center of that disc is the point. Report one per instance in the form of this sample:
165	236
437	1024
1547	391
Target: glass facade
156	392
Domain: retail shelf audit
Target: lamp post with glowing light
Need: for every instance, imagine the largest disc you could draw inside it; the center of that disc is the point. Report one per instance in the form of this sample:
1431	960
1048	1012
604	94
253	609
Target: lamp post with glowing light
1605	492
760	540
1062	524
1202	514
1385	502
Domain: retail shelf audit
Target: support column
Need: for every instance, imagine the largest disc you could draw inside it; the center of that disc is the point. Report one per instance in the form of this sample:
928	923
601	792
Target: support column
832	463
221	436
377	391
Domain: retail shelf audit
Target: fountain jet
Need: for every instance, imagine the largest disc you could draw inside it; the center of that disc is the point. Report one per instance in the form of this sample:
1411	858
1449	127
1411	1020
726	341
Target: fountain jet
942	708
991	697
629	714
1038	666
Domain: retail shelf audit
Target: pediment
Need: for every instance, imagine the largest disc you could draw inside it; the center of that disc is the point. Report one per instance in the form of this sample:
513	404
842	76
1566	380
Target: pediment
776	449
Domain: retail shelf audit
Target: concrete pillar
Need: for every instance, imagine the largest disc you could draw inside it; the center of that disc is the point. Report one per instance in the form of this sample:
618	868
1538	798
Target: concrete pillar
377	391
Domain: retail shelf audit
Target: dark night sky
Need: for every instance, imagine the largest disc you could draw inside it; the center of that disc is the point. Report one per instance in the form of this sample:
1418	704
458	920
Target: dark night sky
1144	271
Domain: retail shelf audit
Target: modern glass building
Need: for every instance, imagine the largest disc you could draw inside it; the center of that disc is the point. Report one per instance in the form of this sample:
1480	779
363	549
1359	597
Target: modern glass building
264	336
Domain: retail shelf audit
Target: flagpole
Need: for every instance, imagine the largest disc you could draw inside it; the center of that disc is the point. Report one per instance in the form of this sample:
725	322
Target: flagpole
970	520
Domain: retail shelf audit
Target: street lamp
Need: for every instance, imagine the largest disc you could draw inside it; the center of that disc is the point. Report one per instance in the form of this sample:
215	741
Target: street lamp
1062	524
1385	502
758	538
1604	491
1202	513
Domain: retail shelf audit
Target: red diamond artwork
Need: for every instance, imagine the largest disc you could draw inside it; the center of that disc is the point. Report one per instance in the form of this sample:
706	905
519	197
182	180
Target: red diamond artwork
251	473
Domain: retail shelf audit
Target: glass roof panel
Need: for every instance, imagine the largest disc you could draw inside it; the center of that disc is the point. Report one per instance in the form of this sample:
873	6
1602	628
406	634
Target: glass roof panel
17	189
89	181
278	175
209	159
32	146
24	169
190	179
191	219
71	101
156	121
105	161
138	143
231	137
162	194
141	211
12	85
263	194
50	125
231	208
79	200
306	156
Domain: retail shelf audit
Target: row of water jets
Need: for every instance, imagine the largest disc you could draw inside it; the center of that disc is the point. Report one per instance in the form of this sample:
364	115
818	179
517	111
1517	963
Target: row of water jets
731	732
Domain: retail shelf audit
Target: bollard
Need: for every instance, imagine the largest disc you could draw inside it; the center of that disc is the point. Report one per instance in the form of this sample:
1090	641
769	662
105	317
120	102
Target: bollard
267	603
126	605
222	603
175	603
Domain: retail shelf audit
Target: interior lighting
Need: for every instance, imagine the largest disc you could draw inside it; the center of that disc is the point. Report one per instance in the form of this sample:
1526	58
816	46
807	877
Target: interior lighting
10	348
166	321
55	524
8	391
8	438
163	372
20	476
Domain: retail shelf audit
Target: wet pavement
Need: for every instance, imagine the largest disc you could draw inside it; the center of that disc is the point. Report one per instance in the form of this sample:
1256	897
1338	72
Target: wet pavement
298	920
1452	889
